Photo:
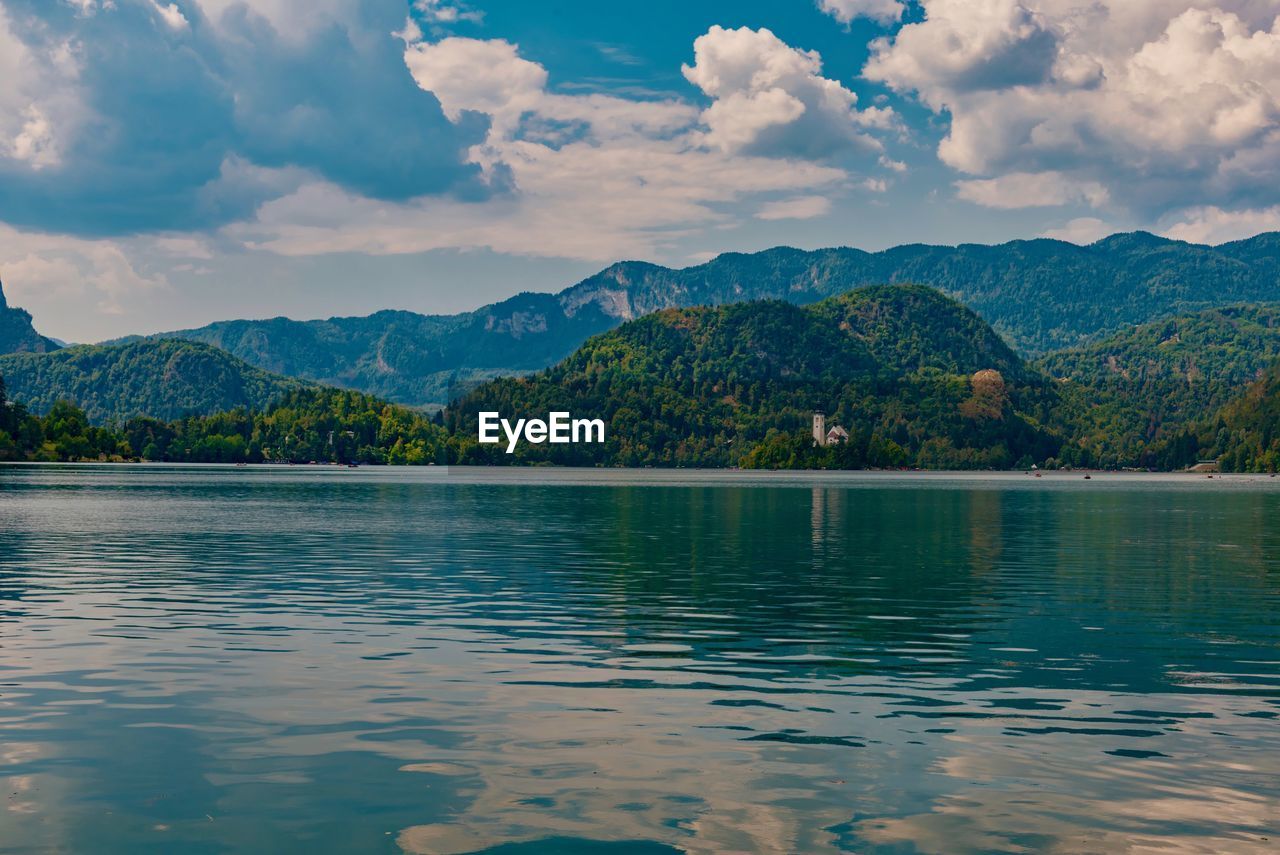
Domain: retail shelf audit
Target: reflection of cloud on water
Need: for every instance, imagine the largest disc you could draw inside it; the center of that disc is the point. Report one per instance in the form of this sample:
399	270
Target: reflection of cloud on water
625	774
1000	784
1025	795
1001	822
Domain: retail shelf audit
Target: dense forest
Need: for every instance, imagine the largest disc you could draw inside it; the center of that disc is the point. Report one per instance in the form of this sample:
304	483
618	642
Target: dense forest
1040	295
915	378
1243	437
1125	395
306	425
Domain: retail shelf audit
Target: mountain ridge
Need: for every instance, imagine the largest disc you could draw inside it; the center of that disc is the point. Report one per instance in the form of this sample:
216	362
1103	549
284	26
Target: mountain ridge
1040	294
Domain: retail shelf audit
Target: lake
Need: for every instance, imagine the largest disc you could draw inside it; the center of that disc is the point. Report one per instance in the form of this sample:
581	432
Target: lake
311	659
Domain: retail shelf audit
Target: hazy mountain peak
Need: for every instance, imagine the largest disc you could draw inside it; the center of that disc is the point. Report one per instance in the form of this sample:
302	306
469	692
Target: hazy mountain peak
17	335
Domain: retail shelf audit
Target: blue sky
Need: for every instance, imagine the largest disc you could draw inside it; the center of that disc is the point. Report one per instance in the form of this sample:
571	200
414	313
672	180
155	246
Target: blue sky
166	163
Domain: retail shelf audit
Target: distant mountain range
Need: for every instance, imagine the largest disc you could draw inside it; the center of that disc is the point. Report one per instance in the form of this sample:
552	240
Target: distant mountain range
166	379
1041	295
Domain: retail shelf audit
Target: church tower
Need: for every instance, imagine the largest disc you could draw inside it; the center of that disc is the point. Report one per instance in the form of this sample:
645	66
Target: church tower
819	429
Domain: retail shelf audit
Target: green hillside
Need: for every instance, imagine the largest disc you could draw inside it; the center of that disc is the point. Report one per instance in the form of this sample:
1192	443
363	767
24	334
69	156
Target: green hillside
164	379
1147	383
738	385
1244	436
1041	295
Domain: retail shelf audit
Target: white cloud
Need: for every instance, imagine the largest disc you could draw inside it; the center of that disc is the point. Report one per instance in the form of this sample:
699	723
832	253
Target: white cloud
39	101
1031	190
35	143
964	46
45	273
1213	225
445	12
1167	103
844	11
1082	231
770	98
171	15
483	75
582	201
595	176
891	164
799	208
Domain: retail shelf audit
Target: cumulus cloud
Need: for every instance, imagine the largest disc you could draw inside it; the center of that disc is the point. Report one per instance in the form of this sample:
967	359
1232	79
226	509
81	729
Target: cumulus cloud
844	11
964	46
121	118
593	176
481	75
1166	103
771	99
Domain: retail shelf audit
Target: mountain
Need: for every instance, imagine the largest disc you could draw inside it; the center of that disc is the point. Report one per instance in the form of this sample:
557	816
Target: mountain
165	379
1147	383
915	378
17	335
1041	295
406	357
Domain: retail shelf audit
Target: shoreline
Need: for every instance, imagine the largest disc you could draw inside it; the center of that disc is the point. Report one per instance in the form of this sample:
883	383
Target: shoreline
576	476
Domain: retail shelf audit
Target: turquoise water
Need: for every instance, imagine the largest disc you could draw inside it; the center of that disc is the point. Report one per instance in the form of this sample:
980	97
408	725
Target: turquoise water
329	660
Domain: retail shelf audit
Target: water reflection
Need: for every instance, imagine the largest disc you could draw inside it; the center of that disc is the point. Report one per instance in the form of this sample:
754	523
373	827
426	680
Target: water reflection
212	660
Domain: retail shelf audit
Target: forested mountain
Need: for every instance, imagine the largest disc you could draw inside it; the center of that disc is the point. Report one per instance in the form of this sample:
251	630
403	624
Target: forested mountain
1147	383
406	357
1243	437
1040	294
17	335
163	378
916	379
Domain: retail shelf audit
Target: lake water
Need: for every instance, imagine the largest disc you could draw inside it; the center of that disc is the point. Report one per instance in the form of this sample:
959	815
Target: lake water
321	660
